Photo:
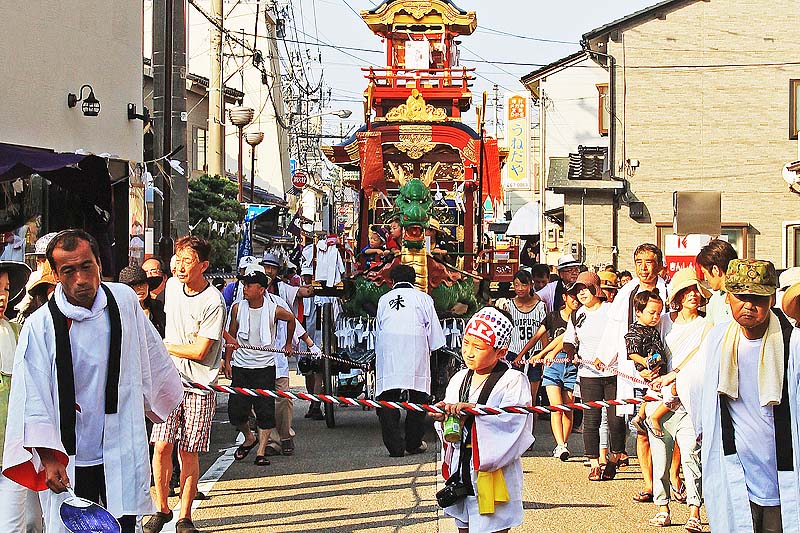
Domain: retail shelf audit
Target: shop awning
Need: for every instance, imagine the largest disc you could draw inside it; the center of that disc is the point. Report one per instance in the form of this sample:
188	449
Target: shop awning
525	221
84	175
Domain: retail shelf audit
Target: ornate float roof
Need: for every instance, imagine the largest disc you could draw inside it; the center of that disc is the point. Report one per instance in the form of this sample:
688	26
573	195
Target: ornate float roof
383	17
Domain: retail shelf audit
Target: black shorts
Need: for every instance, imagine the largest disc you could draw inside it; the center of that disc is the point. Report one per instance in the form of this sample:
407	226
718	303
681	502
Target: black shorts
239	406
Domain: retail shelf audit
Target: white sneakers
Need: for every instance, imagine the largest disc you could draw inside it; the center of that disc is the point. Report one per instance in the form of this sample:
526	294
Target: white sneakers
561	452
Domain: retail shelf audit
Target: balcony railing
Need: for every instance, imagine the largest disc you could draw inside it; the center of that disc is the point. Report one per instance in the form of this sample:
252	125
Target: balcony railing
420	78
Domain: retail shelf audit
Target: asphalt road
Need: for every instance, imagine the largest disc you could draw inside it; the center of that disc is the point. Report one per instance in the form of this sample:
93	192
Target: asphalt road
342	480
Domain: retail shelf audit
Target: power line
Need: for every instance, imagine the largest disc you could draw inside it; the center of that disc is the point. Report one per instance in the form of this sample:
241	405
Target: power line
485	29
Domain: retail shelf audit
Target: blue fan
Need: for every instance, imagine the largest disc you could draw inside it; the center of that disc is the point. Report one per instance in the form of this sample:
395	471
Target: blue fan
83	516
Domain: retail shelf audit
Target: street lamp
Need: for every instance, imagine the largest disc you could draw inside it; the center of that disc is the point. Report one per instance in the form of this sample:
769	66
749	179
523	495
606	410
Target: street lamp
253	138
240	117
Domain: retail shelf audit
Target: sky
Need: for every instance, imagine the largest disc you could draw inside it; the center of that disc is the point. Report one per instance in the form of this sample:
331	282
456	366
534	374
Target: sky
539	21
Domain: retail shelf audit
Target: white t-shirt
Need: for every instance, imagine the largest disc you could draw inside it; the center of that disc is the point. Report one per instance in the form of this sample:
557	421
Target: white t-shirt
189	317
754	429
281	361
244	358
586	332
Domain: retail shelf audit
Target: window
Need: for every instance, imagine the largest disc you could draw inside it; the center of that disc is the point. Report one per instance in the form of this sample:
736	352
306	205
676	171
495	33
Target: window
603	109
735	232
794	107
199	136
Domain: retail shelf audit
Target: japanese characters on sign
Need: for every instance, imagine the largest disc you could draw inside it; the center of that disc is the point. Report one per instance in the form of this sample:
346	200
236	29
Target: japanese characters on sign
518	131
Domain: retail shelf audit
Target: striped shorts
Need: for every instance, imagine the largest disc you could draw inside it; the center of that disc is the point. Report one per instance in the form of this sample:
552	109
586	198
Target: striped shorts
189	423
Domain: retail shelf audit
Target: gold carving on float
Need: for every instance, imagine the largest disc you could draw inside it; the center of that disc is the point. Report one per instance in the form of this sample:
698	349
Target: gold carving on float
415	141
352	151
468	152
416	110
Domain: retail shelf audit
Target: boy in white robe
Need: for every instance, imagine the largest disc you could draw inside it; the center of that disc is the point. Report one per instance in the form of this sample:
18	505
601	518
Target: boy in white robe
495	442
108	429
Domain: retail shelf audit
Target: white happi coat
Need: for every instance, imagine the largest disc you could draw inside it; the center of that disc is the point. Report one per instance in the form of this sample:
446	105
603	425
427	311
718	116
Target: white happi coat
407	331
501	441
724	488
148	384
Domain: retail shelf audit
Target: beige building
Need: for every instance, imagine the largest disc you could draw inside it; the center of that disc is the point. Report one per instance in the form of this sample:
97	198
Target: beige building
701	100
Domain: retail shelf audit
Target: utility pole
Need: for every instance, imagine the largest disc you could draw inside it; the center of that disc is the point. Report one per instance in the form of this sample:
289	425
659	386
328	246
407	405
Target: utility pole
169	102
216	133
496	111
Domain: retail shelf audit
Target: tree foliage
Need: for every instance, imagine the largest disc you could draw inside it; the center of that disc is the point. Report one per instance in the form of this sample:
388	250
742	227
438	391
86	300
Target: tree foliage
216	198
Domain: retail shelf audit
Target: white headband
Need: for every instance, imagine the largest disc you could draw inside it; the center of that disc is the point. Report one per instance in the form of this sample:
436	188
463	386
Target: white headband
492	326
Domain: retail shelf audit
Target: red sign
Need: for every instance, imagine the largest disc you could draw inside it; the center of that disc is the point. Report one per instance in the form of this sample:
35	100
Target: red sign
677	262
299	179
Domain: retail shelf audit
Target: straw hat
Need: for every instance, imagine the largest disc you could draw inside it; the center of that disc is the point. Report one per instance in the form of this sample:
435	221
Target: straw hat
608	280
42	276
683	279
566	261
791	302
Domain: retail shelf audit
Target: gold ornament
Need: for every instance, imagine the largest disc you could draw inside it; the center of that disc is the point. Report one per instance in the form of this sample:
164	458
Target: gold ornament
416	110
415	141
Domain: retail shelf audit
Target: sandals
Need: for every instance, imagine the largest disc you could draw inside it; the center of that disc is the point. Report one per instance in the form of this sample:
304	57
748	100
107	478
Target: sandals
242	450
622	464
596	473
609	471
643	497
694	525
261	460
638	424
679	494
287	447
660	520
658	433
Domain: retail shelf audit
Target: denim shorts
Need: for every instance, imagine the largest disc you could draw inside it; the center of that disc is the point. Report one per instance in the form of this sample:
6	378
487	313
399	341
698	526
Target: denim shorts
562	375
534	372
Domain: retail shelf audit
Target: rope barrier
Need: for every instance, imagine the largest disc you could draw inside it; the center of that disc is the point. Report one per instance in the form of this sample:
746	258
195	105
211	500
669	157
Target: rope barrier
298	352
418	407
632	379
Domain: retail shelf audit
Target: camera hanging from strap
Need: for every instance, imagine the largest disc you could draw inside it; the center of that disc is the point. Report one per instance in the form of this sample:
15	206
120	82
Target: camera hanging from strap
462	474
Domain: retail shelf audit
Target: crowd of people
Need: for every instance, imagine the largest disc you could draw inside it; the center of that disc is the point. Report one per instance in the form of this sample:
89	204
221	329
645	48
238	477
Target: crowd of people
117	352
716	349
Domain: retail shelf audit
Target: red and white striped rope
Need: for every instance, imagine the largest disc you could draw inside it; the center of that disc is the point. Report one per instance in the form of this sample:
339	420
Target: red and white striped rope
632	379
408	406
297	352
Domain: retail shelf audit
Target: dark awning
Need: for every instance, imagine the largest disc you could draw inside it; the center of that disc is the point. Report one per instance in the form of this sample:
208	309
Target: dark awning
85	175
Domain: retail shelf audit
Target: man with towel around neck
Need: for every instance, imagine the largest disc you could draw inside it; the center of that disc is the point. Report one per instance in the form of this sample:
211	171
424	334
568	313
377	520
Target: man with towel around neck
748	420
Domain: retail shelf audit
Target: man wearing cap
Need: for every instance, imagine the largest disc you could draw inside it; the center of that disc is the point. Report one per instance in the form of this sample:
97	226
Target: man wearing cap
233	291
407	331
288	293
136	278
553	292
254	321
748	418
608	284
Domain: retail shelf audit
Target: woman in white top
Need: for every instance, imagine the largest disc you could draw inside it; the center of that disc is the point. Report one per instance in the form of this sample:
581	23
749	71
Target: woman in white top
687	331
585	330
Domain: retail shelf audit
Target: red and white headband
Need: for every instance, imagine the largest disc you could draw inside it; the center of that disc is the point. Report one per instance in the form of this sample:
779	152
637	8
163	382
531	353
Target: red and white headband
491	326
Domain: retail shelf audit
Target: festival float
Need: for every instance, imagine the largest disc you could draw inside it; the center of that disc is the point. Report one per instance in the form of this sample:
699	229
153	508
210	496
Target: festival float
416	162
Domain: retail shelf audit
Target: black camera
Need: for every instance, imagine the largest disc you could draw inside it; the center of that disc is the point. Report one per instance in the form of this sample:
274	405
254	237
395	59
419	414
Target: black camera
452	493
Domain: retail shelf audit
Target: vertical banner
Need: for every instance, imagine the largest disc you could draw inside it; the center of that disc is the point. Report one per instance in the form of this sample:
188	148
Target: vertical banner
518	131
370	151
245	244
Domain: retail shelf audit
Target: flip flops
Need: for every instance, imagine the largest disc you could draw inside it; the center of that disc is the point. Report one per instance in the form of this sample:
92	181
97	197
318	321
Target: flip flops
242	451
643	497
679	494
596	473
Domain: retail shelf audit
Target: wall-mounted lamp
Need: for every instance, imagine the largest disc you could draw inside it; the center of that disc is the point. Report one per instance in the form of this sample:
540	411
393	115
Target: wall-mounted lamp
144	116
90	106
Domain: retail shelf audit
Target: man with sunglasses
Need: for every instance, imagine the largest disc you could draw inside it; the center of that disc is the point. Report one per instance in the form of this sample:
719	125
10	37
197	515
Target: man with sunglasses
553	292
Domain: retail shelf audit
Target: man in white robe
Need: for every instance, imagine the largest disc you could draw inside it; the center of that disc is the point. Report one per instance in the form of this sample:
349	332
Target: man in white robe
407	331
107	437
748	418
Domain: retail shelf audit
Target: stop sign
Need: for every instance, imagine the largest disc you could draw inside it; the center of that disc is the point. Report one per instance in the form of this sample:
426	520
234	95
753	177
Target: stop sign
299	179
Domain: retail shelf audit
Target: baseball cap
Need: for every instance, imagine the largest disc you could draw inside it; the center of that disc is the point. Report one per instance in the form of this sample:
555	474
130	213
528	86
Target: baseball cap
751	276
253	275
247	260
